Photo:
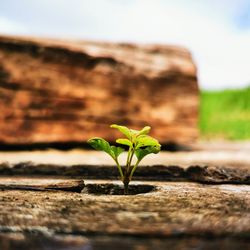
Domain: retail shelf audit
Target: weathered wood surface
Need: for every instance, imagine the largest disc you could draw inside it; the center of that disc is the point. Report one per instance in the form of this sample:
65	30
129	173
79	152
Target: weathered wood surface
68	91
197	173
174	215
204	153
25	241
172	210
32	184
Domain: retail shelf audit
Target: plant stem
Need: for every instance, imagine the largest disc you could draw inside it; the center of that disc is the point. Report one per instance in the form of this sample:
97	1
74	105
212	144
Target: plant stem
126	177
133	169
131	157
126	182
128	157
120	169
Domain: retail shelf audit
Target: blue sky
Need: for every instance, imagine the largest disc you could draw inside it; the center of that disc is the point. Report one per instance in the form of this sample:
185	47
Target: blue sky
216	31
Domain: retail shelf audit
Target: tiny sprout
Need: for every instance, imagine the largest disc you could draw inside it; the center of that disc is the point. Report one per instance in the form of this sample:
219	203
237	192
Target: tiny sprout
139	144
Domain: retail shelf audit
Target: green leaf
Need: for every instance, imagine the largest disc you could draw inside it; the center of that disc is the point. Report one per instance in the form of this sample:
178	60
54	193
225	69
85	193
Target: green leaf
117	151
124	130
125	142
146	140
131	134
102	145
142	152
144	131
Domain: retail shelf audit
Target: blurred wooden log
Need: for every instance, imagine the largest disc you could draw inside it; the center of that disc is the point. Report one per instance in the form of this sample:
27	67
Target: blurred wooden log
61	91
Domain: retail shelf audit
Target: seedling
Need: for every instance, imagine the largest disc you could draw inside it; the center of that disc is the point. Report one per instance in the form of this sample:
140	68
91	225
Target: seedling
139	144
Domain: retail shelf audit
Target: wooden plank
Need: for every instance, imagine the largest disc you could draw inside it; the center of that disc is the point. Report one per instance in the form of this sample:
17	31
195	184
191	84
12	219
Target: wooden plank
172	209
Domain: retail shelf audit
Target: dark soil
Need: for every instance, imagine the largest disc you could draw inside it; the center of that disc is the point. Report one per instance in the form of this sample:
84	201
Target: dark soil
113	189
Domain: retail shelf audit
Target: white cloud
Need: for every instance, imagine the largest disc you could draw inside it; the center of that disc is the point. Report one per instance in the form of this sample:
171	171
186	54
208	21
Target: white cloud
206	27
11	27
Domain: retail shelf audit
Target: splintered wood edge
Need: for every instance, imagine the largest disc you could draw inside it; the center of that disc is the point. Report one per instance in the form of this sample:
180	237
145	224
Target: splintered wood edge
70	186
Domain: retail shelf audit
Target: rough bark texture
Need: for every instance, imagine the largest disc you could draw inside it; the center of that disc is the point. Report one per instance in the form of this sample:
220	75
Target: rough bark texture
68	91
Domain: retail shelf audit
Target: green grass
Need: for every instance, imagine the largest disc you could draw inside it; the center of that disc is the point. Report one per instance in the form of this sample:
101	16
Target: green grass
225	114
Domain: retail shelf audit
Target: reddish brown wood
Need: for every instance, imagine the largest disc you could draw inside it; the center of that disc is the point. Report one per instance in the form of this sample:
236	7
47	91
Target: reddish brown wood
61	91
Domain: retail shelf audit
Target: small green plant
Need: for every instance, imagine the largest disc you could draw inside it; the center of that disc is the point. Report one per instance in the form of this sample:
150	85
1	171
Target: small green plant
139	144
